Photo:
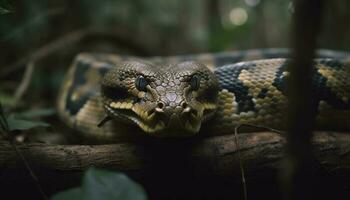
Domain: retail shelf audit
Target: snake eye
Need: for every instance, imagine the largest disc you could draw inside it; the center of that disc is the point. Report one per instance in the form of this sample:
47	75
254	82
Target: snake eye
195	82
141	83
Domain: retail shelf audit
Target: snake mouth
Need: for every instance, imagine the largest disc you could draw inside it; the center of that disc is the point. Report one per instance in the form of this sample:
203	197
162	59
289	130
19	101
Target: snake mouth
126	112
154	123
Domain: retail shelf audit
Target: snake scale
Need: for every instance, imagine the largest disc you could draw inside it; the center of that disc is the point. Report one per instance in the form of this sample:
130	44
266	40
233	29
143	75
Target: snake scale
109	97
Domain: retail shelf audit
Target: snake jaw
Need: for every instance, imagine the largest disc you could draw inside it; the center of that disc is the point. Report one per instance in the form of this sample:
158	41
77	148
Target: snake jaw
146	120
163	120
156	122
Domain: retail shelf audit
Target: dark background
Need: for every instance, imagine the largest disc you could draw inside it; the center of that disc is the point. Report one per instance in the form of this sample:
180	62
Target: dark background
145	28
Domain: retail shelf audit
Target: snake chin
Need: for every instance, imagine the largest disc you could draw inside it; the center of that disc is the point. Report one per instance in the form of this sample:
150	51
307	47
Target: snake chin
154	124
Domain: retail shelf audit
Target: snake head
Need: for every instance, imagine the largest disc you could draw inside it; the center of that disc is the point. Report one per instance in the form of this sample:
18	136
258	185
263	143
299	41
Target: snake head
170	100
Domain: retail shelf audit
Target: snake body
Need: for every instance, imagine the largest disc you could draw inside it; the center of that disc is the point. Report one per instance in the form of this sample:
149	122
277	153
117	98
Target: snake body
182	96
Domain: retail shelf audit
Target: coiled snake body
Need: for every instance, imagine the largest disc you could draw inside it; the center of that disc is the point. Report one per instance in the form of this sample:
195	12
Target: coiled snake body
185	95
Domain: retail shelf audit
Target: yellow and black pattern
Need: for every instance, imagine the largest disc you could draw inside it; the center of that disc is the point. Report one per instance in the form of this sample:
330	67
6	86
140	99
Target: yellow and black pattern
254	93
249	92
256	98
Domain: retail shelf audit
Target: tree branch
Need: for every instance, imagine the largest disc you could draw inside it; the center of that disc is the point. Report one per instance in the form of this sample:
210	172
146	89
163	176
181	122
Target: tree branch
217	155
70	39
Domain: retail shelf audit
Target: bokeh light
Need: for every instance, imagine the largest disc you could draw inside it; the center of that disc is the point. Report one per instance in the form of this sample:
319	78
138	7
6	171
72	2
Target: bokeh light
238	16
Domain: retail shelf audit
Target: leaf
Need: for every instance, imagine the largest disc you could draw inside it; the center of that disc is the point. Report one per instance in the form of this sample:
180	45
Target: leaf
14	123
21	124
5	7
4	127
104	185
36	113
3	11
111	185
7	100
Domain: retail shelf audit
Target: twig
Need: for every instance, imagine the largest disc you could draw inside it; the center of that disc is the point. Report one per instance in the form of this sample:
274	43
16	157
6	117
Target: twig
6	134
71	39
245	193
3	122
31	172
262	127
27	77
32	21
44	51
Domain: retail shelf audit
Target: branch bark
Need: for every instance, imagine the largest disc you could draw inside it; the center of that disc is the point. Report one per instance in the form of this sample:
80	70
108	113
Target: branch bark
167	168
217	155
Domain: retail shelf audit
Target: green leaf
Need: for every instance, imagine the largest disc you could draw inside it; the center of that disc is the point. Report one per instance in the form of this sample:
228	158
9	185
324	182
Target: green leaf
7	100
5	7
36	113
21	124
104	185
3	11
12	123
111	185
4	127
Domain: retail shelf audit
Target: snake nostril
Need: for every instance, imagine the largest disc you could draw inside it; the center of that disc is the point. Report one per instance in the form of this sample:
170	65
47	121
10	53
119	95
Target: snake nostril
160	105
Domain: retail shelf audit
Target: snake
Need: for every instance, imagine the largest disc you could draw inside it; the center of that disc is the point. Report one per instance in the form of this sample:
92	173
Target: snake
110	97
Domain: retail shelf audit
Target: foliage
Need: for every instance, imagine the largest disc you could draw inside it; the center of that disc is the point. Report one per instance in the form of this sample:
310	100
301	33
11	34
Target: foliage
5	7
23	121
104	185
7	100
21	124
3	11
4	127
44	112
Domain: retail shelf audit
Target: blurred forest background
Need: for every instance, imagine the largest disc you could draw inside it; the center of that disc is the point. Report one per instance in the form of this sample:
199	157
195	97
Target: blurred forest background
48	34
